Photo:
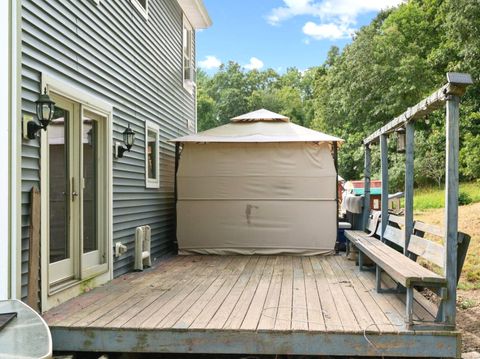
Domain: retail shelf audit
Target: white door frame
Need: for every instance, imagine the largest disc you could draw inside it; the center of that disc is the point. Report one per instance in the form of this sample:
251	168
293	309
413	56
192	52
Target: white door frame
104	109
5	181
10	150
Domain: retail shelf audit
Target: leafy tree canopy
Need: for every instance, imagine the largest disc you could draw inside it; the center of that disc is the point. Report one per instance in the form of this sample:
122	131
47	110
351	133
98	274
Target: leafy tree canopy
391	64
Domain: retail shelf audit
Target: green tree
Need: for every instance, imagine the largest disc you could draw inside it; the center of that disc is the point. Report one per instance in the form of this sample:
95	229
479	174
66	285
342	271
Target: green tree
391	64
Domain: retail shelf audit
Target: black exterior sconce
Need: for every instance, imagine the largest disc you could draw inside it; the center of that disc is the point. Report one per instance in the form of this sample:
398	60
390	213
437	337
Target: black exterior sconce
44	108
128	140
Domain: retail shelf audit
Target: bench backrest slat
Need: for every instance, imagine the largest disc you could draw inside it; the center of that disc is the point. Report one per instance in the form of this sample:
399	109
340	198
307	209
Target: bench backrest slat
428	228
426	249
396	219
393	234
372	222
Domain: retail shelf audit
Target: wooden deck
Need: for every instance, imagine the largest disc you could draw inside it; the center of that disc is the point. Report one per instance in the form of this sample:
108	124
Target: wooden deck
248	305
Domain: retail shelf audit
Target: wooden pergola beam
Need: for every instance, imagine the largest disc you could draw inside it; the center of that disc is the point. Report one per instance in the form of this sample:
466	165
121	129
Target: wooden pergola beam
456	86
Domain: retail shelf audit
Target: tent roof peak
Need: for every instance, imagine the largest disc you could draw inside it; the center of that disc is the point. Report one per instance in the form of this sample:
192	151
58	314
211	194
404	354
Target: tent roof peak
260	115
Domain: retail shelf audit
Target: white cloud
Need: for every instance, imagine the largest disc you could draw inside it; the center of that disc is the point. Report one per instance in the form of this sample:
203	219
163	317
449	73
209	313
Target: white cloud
292	8
326	31
336	17
210	62
255	64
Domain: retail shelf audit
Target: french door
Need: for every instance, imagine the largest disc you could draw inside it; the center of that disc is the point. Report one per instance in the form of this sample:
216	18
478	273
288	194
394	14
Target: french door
76	194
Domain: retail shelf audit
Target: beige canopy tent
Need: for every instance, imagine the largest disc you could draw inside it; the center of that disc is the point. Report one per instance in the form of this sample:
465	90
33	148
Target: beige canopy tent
258	185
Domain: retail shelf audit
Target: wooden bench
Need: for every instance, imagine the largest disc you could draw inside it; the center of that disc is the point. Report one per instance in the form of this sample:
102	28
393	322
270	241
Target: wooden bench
371	229
403	269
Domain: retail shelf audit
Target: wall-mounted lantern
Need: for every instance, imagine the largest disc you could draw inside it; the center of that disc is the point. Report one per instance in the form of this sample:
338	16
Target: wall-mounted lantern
401	140
128	140
44	108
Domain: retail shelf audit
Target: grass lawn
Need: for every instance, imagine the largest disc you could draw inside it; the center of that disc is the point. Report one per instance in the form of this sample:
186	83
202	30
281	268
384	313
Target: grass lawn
428	206
426	198
468	222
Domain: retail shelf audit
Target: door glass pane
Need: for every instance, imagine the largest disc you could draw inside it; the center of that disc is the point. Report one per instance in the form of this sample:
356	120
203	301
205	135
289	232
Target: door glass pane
90	195
152	154
59	185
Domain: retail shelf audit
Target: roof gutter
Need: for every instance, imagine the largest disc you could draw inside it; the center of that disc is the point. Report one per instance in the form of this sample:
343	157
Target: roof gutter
196	13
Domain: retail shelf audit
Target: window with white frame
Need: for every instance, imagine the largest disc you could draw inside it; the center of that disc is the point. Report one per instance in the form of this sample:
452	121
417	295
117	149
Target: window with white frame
152	154
188	64
141	6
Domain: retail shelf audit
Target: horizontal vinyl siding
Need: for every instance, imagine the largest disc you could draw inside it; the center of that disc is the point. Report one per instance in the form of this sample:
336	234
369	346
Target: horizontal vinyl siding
114	53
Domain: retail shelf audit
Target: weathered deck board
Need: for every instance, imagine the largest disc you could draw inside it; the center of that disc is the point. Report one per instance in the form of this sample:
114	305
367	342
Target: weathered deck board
299	305
345	312
192	313
140	299
378	317
354	299
172	288
263	296
270	308
284	312
238	313
172	317
252	318
233	275
223	312
73	311
329	309
314	308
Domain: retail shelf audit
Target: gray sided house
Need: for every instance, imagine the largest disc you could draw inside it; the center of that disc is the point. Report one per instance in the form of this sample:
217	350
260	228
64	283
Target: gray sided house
108	65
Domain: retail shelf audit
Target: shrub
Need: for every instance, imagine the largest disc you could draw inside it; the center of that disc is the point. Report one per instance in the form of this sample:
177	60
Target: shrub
464	198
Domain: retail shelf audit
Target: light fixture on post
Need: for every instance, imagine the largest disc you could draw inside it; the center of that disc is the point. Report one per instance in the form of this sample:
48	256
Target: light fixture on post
128	140
44	108
401	140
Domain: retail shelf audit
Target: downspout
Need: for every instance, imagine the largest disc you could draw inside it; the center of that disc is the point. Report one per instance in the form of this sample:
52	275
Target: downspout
335	162
177	158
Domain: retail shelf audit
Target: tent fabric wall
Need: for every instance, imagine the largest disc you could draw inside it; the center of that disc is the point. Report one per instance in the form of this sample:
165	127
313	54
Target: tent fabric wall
256	198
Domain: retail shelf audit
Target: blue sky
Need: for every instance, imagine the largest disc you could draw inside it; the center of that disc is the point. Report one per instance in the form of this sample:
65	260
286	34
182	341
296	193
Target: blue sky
280	33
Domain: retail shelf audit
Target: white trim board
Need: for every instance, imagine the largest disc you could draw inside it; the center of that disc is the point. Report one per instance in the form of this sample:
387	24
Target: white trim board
143	11
5	94
196	12
152	182
13	163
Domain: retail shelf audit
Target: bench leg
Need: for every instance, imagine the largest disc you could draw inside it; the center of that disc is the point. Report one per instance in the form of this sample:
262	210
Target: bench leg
442	294
378	278
378	283
409	307
360	260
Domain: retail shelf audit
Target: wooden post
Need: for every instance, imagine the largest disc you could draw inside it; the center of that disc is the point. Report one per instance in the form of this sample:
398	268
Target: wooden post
34	249
384	156
335	162
366	186
451	207
409	178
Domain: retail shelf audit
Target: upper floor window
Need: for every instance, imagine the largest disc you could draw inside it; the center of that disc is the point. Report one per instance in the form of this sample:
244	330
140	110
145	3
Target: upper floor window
188	64
141	6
